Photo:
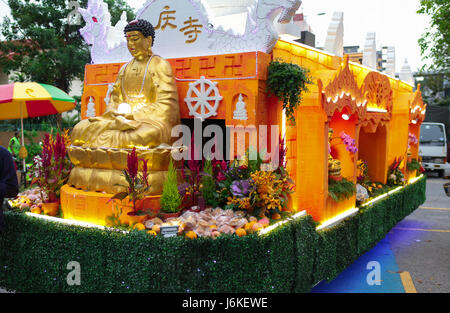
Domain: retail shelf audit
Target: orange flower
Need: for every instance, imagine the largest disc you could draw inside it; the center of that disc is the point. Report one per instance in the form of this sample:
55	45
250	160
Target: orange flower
241	232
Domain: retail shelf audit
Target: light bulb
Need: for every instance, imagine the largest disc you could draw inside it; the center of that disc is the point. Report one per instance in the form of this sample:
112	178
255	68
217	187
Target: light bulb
124	108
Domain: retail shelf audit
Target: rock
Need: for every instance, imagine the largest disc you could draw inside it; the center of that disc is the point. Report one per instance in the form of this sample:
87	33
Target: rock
190	222
361	193
203	223
253	219
149	224
215	234
226	229
156	228
229	213
257	226
233	222
217	212
241	222
222	220
188	214
156	221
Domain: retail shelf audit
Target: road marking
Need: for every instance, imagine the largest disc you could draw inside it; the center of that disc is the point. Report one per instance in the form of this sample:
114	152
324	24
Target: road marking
427	208
407	282
421	229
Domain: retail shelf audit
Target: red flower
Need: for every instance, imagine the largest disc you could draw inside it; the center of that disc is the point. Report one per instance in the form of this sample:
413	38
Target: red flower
221	177
132	163
145	171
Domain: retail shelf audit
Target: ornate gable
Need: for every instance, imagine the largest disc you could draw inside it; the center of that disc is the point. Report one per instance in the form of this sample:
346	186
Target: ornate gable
417	108
343	91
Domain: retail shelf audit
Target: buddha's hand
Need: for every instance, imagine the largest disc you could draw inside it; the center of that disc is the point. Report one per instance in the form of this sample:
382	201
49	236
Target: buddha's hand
123	123
108	114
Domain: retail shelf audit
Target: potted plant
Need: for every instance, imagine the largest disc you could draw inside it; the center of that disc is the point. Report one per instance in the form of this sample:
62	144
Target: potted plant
170	201
395	176
52	171
137	188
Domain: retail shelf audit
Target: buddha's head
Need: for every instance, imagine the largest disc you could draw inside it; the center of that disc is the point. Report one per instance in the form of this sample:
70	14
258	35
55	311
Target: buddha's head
140	35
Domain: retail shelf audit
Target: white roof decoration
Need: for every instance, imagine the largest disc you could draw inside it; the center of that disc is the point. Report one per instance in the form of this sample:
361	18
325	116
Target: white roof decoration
406	74
334	42
186	28
370	51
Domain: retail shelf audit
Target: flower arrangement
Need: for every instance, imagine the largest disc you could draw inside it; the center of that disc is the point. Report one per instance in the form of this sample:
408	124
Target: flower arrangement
412	140
247	187
138	185
52	168
414	165
349	142
395	175
362	171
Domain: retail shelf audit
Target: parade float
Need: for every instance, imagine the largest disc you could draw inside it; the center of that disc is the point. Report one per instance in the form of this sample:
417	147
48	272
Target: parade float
313	159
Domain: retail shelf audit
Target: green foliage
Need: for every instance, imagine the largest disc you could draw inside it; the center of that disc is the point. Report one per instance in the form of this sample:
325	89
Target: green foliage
41	46
433	86
414	165
114	219
434	43
341	190
170	198
292	258
209	186
288	81
33	148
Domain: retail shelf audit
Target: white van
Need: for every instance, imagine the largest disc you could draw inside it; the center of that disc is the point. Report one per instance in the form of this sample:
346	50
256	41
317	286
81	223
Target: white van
433	147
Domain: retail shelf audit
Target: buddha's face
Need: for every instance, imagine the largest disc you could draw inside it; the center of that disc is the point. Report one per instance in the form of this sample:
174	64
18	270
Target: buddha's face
138	45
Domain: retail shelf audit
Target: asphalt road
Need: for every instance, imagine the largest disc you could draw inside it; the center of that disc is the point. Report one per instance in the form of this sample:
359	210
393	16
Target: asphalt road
421	242
413	257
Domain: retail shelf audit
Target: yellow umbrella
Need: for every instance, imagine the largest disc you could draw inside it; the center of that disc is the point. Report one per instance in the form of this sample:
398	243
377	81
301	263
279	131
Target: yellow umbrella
24	100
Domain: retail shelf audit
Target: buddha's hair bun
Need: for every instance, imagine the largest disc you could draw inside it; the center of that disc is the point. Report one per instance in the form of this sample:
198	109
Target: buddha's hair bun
143	26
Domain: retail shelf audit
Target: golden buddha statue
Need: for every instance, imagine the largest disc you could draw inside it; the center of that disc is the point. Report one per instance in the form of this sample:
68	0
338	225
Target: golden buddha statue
142	111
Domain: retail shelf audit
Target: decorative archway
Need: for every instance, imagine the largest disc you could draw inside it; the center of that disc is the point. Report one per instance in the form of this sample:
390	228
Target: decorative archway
345	107
377	90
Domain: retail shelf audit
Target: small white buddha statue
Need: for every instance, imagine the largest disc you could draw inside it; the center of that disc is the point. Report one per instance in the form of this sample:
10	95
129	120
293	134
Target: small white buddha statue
240	113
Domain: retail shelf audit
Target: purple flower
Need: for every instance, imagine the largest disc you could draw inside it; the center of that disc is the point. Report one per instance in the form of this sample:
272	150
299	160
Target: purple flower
240	188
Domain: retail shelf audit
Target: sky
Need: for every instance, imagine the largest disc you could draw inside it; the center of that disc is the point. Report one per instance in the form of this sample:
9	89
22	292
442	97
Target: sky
395	22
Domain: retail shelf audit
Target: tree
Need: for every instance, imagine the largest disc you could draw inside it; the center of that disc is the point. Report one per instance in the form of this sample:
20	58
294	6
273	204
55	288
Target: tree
435	42
434	88
41	46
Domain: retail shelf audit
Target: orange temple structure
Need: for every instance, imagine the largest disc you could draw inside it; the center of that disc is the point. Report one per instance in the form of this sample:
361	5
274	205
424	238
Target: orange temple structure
377	110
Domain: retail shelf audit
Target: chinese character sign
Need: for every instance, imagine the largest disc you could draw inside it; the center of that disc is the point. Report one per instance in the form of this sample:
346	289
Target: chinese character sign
180	27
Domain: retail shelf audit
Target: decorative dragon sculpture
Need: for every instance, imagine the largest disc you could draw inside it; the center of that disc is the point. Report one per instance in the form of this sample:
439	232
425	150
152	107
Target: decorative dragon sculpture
260	32
108	42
